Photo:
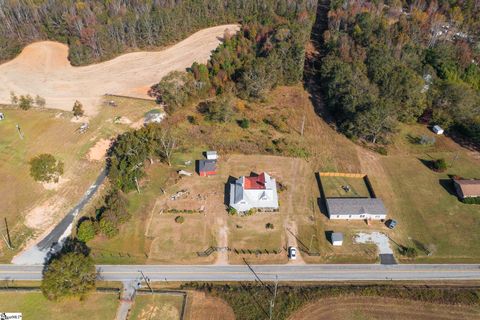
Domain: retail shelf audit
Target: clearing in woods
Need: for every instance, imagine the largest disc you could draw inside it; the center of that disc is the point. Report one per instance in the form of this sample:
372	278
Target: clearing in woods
42	68
354	308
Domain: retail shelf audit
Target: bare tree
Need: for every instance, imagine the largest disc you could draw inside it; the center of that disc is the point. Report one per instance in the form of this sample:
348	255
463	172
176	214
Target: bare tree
167	144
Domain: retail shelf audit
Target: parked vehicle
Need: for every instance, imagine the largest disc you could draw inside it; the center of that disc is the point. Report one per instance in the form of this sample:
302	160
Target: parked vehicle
292	253
391	223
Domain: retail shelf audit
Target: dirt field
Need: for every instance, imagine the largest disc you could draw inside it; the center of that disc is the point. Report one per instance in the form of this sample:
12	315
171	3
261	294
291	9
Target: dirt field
43	69
200	307
156	307
356	308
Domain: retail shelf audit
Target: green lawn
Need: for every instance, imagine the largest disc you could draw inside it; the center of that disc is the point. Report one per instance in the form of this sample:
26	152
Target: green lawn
333	187
34	306
156	307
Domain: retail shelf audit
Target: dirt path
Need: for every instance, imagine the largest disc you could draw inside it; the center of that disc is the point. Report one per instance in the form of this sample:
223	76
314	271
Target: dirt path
381	308
43	68
222	258
291	231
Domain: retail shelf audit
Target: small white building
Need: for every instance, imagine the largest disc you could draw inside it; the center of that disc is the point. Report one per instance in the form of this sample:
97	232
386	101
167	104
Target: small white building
2	116
337	239
254	192
437	129
211	155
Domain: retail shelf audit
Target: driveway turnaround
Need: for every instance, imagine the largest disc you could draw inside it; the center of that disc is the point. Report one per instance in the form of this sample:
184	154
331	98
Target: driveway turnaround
319	272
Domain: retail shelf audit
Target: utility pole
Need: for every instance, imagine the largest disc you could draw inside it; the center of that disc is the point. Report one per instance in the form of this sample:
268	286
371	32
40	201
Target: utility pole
8	234
147	281
272	302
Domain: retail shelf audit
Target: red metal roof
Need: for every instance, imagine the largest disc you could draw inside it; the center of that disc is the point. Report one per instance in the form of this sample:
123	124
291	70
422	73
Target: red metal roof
257	182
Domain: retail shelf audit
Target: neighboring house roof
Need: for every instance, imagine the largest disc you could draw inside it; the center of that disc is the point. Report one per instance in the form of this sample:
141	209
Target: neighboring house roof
211	153
207	165
254	192
355	206
469	187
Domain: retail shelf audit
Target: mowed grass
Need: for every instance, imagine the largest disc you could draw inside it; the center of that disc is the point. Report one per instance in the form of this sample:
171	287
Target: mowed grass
33	305
52	131
334	187
156	307
429	214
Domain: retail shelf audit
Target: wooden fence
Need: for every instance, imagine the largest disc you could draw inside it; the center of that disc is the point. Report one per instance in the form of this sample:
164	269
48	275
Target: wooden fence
342	174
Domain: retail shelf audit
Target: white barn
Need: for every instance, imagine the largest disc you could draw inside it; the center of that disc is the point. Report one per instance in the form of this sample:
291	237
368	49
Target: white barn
254	192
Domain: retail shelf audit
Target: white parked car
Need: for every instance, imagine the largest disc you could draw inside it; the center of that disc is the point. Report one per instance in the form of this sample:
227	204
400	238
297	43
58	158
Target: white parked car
292	253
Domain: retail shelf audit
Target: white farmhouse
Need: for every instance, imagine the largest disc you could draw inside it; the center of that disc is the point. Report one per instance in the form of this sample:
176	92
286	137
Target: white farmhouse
254	192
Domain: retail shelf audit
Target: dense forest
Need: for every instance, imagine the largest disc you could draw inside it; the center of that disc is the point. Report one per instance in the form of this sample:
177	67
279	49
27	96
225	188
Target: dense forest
402	61
98	30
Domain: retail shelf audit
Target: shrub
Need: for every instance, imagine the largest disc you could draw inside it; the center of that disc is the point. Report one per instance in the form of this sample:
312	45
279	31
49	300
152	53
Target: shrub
473	200
86	231
439	165
192	120
108	224
250	212
381	150
409	252
232	211
269	226
244	123
25	102
179	219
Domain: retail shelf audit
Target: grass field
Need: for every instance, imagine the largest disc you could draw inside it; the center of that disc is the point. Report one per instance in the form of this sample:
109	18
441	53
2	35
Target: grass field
333	187
359	308
429	215
156	307
34	306
26	202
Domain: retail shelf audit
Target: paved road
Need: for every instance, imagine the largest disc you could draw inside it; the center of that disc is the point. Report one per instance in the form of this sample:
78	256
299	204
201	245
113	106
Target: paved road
349	272
37	253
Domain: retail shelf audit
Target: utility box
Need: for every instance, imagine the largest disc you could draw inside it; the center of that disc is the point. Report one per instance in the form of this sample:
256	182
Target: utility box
337	239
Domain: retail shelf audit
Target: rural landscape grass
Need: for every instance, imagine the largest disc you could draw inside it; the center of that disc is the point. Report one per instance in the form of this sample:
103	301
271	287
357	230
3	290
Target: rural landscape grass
29	207
33	305
157	307
414	195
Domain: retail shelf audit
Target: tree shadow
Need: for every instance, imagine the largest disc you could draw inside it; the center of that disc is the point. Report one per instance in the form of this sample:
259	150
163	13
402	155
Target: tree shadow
69	245
427	163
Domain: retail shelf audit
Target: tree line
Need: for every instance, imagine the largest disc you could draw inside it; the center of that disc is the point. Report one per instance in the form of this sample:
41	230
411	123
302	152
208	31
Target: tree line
248	64
401	61
97	30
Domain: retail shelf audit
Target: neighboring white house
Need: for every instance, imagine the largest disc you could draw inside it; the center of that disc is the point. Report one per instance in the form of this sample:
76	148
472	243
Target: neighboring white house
254	192
356	209
437	129
211	155
337	238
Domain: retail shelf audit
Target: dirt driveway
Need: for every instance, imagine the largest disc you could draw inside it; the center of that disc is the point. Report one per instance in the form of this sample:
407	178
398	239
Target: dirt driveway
43	69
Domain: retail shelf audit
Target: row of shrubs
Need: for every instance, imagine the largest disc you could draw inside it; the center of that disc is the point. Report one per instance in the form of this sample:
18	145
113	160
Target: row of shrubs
472	200
107	219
